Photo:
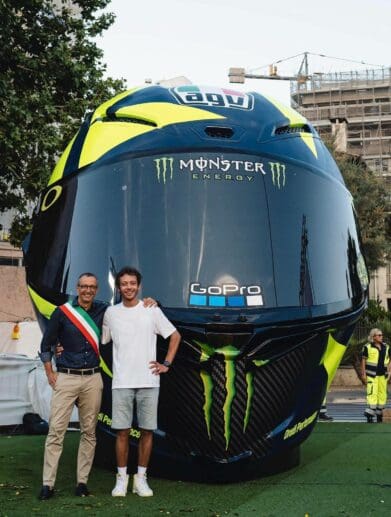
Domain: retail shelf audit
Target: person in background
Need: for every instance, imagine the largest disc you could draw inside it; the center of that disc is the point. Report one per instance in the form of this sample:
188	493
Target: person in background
136	374
375	370
323	416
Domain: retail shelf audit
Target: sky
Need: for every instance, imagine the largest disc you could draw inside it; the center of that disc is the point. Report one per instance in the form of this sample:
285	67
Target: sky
202	39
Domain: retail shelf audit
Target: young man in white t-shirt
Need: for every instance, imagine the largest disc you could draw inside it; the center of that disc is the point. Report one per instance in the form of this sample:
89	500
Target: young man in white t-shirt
133	329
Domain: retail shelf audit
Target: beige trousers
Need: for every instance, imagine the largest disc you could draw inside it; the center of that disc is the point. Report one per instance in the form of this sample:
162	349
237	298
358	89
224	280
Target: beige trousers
87	390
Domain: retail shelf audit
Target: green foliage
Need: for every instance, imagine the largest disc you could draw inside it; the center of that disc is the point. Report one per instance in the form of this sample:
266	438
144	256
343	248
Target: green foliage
373	206
335	478
375	313
51	73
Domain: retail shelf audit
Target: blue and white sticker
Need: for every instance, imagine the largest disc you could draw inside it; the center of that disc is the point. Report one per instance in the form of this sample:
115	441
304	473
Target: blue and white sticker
215	97
225	295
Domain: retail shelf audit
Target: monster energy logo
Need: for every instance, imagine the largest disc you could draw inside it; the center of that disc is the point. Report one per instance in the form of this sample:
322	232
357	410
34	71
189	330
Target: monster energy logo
230	353
164	166
278	174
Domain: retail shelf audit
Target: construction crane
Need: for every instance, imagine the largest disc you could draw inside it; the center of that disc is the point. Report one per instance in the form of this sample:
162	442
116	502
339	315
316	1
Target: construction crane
238	75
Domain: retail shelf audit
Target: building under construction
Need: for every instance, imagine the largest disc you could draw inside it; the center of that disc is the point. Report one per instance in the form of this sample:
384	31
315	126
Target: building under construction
355	108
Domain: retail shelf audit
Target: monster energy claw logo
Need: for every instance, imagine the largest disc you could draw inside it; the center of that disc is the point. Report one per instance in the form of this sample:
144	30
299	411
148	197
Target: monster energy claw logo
164	166
278	174
229	353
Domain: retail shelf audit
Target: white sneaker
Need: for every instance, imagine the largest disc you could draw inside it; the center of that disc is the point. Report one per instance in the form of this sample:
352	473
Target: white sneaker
140	486
121	486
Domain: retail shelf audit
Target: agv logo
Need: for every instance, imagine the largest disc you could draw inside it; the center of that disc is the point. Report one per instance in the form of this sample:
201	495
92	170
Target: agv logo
216	97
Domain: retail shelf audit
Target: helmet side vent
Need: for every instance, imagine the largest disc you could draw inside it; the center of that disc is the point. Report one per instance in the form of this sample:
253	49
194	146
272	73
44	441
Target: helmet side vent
219	132
286	130
131	120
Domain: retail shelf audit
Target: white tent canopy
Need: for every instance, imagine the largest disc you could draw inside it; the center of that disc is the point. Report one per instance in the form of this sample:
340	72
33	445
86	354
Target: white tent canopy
23	384
28	342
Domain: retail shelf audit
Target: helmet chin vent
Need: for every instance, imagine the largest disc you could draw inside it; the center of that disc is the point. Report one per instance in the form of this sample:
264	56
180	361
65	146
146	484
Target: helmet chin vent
285	130
219	132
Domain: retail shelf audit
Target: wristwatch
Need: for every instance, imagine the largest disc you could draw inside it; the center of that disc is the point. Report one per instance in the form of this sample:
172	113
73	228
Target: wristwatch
167	363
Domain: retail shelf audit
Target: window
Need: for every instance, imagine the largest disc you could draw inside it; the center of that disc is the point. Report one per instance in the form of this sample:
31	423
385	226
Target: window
388	276
11	261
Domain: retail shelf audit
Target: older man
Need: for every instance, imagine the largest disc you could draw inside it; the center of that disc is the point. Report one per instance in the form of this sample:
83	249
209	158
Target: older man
76	327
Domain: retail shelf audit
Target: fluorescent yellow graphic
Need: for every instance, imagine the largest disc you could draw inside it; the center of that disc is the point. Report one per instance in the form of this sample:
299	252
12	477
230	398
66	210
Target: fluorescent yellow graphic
44	307
291	431
332	357
58	170
230	353
47	202
295	119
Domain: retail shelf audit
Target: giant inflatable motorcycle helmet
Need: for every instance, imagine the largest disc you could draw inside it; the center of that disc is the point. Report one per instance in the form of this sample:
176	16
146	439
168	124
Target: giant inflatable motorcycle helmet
239	220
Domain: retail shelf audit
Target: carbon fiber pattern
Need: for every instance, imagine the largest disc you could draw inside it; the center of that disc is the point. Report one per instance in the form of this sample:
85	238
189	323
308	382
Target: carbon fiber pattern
275	387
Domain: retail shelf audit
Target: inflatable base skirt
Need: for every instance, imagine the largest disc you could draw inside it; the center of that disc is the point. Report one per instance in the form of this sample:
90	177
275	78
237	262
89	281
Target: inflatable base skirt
192	468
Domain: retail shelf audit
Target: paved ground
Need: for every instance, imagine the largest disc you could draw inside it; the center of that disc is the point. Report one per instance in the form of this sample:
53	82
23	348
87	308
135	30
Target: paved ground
347	405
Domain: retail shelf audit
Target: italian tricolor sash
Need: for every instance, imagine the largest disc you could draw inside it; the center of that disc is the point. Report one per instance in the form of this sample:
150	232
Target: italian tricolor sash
83	322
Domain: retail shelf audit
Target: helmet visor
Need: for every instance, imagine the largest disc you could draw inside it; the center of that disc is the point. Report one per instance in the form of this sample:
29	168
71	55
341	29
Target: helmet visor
205	229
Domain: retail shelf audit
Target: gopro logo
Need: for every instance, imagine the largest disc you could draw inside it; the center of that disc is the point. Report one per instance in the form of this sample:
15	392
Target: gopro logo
225	295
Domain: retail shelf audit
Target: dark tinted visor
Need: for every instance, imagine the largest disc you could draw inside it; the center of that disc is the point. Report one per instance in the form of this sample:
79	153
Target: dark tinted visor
207	230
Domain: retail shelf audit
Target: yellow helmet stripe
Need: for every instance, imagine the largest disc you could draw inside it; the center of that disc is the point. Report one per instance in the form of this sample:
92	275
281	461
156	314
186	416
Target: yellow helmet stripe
104	136
295	119
58	170
101	111
105	368
166	113
332	357
44	307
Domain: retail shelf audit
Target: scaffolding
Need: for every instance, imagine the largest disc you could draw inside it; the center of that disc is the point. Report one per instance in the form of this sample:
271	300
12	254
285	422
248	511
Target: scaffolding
359	104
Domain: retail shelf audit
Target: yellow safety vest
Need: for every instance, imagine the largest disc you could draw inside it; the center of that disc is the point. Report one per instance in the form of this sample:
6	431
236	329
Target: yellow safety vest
372	359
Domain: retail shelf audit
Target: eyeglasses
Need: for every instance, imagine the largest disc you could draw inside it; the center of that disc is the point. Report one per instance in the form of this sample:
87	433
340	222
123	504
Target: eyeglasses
378	334
86	287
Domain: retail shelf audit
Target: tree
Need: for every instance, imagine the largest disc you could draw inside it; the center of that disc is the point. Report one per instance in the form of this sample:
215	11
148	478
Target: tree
373	208
51	72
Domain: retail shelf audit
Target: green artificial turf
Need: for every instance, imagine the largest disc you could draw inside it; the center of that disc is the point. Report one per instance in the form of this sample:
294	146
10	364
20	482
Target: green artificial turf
345	470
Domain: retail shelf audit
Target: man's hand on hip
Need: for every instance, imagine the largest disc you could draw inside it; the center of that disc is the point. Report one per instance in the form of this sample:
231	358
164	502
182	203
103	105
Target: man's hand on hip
158	368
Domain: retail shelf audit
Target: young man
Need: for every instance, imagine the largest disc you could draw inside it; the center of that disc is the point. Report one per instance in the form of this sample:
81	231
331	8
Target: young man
77	378
133	330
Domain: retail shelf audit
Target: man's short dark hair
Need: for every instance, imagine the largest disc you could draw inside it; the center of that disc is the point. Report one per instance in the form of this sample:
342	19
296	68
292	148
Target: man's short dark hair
87	273
127	270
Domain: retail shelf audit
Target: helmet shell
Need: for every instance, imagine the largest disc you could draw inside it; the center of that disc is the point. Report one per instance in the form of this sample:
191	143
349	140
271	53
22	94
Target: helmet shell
239	219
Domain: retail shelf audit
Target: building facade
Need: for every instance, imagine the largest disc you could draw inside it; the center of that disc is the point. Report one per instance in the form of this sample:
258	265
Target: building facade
15	303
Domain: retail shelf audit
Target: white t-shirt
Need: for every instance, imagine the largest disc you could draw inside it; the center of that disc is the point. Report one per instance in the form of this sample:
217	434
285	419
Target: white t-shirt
134	331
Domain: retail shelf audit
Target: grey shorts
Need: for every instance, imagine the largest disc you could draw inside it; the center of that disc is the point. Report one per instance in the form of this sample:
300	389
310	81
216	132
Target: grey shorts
123	403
